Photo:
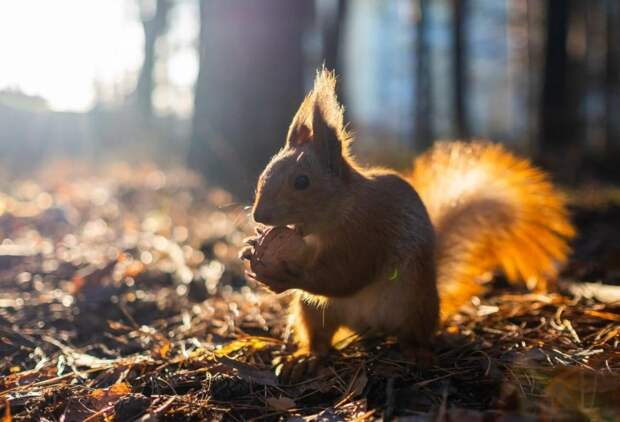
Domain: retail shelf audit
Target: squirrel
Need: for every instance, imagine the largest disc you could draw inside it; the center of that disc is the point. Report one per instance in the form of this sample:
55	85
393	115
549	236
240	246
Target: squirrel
393	253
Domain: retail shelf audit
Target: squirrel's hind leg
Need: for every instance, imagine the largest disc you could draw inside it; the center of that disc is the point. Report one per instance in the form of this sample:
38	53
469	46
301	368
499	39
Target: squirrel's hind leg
416	344
314	327
416	336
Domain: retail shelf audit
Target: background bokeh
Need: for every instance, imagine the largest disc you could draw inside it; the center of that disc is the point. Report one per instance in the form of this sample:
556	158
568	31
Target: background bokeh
213	83
131	135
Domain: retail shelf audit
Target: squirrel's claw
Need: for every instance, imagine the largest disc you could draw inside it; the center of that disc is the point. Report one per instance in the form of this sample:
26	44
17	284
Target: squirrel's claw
298	368
246	253
252	240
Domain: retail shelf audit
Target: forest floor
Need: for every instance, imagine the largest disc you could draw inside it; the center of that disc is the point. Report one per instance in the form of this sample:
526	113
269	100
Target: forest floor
122	298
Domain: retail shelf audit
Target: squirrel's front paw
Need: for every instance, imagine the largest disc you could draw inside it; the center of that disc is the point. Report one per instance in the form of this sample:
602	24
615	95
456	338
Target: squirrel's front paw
278	279
246	253
276	258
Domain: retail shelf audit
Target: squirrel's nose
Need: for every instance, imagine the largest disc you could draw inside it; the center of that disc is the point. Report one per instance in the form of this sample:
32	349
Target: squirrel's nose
262	216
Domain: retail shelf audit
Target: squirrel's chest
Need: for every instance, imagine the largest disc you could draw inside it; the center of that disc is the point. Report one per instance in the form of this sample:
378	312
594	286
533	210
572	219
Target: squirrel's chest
381	306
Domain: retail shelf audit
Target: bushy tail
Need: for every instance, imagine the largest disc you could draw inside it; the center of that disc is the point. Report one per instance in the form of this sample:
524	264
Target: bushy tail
490	210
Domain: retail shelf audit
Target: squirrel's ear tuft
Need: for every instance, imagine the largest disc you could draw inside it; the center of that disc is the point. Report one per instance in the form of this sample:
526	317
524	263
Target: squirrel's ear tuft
320	121
325	100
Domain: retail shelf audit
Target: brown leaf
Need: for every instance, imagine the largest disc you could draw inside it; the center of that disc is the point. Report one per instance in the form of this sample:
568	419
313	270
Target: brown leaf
281	403
103	397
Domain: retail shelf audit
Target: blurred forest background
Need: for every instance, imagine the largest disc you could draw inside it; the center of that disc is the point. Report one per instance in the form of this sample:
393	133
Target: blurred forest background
121	292
214	83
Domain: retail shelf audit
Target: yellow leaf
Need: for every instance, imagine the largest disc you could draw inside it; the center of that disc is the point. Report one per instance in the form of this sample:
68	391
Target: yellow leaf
120	389
164	349
254	343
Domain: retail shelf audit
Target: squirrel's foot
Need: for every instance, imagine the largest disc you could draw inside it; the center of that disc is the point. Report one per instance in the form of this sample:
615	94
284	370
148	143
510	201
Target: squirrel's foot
299	367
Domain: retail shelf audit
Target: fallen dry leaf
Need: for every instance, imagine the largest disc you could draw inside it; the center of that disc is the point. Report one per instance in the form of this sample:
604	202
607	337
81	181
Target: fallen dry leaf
281	403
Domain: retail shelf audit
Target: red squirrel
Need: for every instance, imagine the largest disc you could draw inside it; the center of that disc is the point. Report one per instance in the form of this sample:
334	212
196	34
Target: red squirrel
390	253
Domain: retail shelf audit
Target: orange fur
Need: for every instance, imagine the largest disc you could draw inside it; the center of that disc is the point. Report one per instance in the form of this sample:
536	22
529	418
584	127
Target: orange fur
490	210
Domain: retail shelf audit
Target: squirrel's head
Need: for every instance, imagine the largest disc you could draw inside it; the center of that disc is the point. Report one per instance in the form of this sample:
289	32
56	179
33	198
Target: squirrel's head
304	183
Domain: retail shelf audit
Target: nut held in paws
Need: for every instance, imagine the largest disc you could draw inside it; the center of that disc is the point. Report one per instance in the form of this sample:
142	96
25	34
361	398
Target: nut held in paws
275	247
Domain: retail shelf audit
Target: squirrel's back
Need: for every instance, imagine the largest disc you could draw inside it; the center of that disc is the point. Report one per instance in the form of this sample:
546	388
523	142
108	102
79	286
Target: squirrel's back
490	210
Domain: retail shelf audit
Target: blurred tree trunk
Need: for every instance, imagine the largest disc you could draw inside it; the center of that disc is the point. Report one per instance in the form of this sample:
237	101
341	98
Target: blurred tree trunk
612	76
535	33
595	69
459	11
525	47
559	112
332	36
332	28
423	88
249	85
154	25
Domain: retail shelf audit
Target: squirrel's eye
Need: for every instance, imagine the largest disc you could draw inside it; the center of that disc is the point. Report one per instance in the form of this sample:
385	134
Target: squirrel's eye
302	182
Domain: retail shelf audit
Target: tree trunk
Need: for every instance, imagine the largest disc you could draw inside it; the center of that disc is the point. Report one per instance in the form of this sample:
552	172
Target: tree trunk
535	33
332	27
559	119
423	89
612	77
249	85
154	26
459	10
332	36
595	70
